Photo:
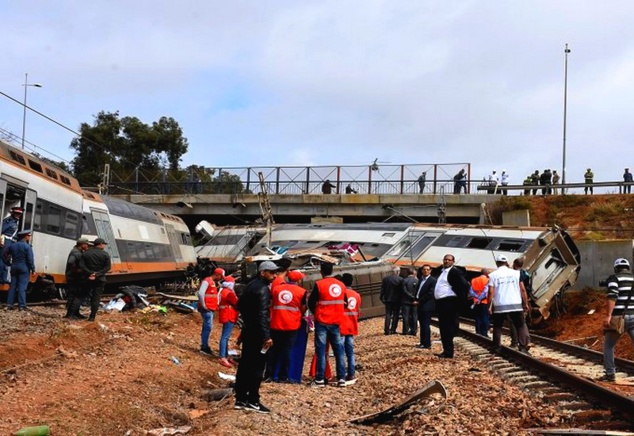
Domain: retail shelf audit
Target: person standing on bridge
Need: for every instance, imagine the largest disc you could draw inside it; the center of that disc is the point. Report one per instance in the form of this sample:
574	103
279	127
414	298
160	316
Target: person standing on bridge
504	181
421	182
589	180
627	178
619	303
326	188
535	177
507	297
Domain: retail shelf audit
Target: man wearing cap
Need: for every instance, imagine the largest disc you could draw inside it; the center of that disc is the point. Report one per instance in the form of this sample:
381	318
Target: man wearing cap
620	302
22	265
207	305
288	303
94	263
327	301
10	227
74	276
507	297
254	305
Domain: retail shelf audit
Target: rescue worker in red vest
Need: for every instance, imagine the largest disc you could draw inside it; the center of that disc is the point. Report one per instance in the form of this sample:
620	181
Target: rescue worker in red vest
327	301
207	305
478	293
350	326
228	316
288	303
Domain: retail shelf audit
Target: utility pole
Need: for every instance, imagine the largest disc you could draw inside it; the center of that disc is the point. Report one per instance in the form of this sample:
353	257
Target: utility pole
563	172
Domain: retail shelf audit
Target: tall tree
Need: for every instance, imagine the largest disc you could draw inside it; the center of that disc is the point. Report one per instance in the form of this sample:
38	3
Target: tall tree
126	144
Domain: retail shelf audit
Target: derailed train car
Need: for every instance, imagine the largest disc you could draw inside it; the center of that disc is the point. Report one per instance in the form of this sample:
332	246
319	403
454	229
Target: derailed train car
144	245
550	255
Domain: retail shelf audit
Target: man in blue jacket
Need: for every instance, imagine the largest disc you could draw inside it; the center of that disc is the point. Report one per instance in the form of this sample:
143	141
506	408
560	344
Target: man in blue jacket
20	256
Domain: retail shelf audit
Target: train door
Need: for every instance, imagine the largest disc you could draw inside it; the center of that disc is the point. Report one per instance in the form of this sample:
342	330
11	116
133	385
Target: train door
104	231
174	243
30	198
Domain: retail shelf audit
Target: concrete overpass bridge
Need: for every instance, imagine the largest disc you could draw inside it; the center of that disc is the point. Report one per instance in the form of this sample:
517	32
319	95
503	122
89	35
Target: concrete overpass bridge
302	208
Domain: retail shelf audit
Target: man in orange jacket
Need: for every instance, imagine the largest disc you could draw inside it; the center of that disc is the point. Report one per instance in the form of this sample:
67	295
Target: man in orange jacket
288	303
479	293
350	326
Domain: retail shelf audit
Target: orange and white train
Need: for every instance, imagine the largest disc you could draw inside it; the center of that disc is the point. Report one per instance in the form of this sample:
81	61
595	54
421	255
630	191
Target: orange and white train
144	245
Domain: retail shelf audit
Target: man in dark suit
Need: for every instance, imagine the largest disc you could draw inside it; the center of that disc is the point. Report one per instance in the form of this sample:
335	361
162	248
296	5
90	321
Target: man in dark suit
391	295
450	293
425	305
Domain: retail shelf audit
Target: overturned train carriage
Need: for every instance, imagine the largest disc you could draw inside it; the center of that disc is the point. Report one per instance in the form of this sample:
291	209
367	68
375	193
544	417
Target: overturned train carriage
550	255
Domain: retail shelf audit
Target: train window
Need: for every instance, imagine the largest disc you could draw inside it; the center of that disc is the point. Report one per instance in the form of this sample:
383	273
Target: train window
149	252
71	225
510	245
18	158
140	251
36	166
65	180
52	174
388	235
53	219
456	241
479	242
183	238
132	255
37	221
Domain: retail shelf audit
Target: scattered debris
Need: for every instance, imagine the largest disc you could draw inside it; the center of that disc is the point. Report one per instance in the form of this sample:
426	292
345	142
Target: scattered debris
433	387
227	377
218	394
175	360
165	431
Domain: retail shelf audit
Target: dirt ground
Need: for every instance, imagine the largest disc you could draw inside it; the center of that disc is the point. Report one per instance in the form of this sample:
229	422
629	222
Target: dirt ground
116	377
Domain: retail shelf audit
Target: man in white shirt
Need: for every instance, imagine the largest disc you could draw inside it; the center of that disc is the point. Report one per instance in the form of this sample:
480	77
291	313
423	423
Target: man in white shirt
450	293
507	296
504	181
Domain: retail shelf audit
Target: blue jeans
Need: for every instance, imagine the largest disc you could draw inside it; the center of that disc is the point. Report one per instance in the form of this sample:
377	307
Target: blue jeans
224	338
208	319
19	282
331	333
481	315
609	342
348	345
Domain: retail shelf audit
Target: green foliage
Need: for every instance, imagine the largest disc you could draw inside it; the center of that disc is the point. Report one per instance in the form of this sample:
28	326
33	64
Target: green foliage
602	211
126	144
567	201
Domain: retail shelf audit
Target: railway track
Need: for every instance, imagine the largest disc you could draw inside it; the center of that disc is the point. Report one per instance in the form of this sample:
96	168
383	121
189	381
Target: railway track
564	374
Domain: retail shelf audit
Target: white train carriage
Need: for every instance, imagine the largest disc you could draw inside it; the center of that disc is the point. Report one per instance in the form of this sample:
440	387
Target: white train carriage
52	203
144	245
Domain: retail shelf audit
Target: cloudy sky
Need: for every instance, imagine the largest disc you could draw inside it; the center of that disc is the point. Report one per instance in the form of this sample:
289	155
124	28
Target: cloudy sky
336	82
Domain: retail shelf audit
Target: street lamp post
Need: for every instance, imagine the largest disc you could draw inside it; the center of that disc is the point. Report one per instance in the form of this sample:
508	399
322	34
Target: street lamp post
26	85
563	172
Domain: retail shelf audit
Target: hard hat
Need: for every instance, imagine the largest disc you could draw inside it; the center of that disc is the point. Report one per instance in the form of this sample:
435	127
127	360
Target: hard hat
621	262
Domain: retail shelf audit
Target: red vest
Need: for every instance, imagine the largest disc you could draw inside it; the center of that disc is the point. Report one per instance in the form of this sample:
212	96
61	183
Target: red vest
227	307
330	303
211	294
350	326
286	302
278	280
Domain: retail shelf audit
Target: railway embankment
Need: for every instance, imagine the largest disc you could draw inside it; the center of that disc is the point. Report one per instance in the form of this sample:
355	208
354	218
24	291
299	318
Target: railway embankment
116	376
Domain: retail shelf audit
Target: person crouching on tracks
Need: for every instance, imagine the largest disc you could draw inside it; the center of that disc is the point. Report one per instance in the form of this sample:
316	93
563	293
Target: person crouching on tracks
288	303
507	296
20	256
327	301
94	263
207	305
479	292
254	306
619	303
74	277
228	316
350	326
